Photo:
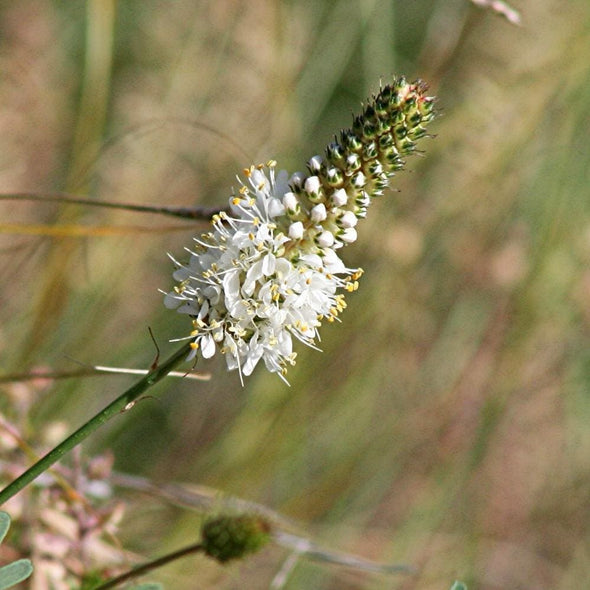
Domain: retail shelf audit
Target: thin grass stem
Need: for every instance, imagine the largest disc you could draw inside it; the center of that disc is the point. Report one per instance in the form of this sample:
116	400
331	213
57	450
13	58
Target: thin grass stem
197	213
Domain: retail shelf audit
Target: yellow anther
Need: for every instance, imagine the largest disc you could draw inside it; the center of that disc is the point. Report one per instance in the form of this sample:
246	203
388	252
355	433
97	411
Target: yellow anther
271	163
194	345
181	287
247	172
236	201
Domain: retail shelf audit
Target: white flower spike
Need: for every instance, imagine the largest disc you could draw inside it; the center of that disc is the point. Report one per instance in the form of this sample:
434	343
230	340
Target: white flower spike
268	271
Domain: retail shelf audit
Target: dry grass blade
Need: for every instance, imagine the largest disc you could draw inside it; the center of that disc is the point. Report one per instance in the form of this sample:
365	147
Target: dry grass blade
501	8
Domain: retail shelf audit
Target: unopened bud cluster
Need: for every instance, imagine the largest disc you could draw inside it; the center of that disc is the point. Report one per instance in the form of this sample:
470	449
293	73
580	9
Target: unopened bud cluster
233	537
269	269
326	204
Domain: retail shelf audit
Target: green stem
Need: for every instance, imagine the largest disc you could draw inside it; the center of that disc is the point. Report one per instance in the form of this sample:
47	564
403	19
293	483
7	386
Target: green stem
146	567
115	407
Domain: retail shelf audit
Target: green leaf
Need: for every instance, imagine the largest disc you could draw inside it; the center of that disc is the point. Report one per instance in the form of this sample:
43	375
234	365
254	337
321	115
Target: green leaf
148	586
15	572
458	586
4	525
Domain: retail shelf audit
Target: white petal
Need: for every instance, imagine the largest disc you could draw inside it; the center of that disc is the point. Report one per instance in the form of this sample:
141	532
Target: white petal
172	300
255	352
231	286
254	274
207	345
275	208
268	264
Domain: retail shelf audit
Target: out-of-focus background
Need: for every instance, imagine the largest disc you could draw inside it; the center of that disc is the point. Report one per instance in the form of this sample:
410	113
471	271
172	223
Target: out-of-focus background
446	424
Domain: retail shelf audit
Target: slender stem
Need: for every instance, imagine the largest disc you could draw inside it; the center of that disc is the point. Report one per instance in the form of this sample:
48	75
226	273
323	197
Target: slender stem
94	371
146	567
118	405
197	213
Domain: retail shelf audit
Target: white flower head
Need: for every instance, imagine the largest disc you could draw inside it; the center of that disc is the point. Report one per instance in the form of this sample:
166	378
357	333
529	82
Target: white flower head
250	286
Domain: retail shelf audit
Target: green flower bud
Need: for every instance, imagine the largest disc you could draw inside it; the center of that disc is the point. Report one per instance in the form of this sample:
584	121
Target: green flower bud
232	537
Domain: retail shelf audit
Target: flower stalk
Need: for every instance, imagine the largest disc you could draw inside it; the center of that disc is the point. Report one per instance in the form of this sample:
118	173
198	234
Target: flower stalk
224	538
120	404
150	566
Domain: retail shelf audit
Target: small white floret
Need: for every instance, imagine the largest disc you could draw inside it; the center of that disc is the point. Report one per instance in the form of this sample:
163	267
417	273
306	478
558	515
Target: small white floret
296	230
325	239
318	213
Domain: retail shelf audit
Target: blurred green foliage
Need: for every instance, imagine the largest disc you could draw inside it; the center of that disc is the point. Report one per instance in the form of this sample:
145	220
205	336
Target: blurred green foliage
445	423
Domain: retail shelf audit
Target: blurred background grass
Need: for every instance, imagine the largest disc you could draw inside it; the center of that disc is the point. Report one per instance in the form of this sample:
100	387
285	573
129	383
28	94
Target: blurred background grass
445	425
